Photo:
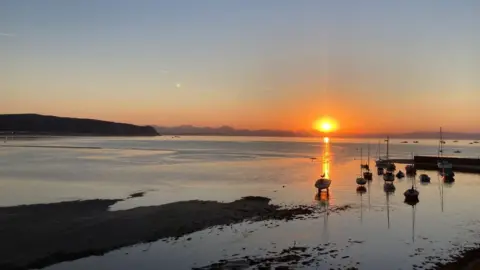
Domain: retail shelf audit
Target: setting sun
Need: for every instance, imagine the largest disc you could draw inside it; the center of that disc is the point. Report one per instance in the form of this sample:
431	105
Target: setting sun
325	125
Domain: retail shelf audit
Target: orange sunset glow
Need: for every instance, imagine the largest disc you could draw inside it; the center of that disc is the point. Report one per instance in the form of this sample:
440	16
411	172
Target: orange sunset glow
325	125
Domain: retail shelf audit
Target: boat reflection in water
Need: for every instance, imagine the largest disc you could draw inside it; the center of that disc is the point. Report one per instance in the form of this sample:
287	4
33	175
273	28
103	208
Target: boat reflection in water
360	191
412	203
323	199
389	189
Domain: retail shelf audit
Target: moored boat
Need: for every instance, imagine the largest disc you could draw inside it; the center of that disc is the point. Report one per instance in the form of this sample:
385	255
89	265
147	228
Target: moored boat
388	176
361	181
323	183
411	194
391	167
424	178
410	169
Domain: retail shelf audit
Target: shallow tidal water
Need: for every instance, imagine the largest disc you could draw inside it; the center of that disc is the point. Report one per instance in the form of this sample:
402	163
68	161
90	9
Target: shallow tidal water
380	231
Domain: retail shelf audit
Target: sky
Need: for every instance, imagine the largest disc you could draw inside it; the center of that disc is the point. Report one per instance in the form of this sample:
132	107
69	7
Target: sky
373	66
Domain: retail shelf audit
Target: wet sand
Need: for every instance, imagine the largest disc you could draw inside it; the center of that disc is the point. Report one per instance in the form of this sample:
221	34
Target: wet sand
35	236
468	260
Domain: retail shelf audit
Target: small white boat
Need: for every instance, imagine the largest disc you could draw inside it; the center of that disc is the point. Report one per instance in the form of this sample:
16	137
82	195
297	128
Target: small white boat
361	181
443	164
424	178
388	176
323	183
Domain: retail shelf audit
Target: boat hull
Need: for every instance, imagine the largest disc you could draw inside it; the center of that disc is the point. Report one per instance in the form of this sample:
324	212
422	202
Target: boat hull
323	183
361	181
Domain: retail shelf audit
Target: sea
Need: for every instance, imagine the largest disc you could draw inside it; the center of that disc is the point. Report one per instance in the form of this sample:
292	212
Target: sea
379	231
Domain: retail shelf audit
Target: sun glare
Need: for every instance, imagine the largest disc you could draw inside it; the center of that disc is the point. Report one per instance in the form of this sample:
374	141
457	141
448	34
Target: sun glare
325	125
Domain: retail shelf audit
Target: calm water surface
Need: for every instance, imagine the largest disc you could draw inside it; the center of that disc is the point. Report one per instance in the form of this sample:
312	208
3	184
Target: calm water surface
379	232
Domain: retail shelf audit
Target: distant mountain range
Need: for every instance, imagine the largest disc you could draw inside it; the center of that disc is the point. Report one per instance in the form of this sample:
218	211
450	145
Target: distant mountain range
35	124
230	131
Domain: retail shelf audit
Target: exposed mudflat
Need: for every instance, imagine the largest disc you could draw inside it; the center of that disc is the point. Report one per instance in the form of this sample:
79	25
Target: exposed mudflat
468	260
35	236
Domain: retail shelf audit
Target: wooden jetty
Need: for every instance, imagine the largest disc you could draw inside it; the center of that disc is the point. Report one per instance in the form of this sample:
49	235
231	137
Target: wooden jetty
460	164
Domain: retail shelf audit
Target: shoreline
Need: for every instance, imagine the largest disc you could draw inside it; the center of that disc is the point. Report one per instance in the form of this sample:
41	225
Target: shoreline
40	235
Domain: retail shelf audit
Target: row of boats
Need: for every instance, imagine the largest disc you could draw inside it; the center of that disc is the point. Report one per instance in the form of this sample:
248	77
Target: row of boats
387	168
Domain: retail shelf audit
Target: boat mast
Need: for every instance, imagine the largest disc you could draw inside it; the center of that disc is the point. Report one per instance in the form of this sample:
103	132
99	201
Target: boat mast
440	147
361	161
378	150
368	163
388	211
388	140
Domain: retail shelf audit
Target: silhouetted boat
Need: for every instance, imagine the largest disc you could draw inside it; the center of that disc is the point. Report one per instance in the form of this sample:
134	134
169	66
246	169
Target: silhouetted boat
388	176
404	142
382	162
410	169
368	174
424	178
323	183
400	174
391	167
360	180
442	164
411	194
457	151
415	141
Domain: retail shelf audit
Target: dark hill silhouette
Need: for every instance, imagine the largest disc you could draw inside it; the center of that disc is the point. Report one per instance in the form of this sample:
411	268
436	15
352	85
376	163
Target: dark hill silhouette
53	125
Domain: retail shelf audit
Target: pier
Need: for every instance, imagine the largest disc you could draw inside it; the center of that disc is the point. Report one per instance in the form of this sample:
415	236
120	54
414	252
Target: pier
460	164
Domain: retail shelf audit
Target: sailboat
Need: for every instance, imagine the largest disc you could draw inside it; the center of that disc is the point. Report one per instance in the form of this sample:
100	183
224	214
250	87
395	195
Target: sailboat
385	163
324	182
381	162
411	194
360	180
368	174
379	168
442	164
410	168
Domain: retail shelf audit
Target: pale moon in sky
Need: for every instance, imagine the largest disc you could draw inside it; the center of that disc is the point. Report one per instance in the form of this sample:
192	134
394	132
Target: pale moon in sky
178	85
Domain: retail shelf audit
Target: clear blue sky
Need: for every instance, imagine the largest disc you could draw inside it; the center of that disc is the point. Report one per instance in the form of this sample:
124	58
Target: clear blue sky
253	64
